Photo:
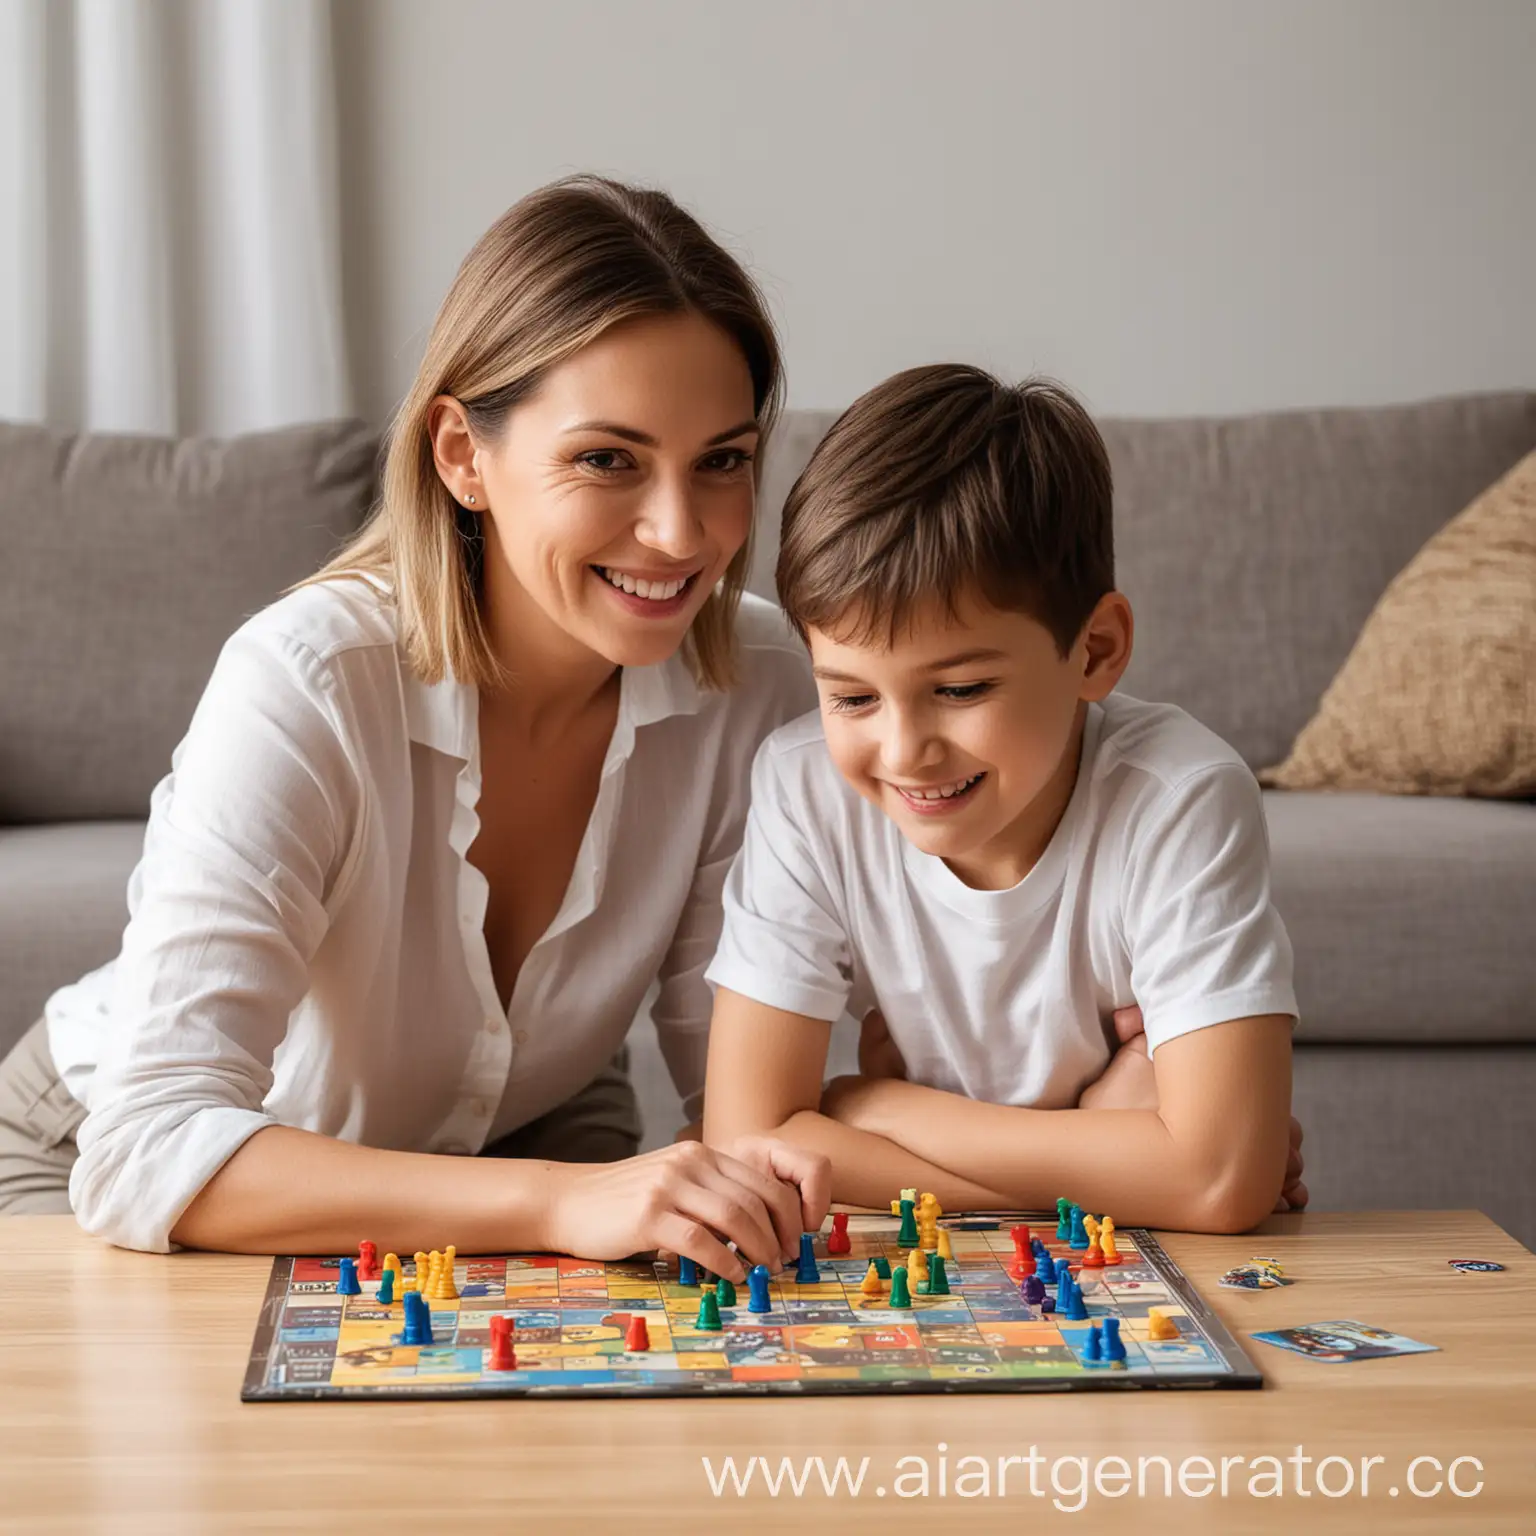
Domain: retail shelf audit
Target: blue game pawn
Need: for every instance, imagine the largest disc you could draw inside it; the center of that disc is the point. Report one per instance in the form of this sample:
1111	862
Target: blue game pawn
1078	1237
346	1283
1113	1348
1093	1349
687	1270
757	1288
1074	1311
386	1297
418	1319
1063	1279
807	1273
1034	1290
1045	1267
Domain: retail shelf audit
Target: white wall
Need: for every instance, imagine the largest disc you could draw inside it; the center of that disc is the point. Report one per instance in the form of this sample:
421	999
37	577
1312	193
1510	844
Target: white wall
1174	205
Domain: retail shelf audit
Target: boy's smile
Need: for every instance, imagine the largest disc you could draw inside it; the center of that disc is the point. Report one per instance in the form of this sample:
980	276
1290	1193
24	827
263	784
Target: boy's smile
966	730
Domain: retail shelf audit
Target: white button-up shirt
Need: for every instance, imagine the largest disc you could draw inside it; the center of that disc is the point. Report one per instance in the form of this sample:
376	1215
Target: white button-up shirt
305	944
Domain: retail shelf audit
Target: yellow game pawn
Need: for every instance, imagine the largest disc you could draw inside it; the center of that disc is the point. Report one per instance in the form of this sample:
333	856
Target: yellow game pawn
446	1289
917	1265
946	1247
392	1261
418	1281
1107	1241
1090	1225
873	1285
1160	1326
434	1265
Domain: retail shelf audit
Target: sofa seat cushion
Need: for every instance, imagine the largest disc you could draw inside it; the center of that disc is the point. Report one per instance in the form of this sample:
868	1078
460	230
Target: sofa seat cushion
63	907
1413	919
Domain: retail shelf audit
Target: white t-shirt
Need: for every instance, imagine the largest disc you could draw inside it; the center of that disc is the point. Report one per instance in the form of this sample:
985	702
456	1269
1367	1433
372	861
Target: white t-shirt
305	944
1154	889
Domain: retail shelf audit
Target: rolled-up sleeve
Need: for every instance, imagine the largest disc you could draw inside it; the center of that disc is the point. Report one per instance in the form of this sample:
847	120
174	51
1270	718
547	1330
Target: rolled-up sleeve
247	839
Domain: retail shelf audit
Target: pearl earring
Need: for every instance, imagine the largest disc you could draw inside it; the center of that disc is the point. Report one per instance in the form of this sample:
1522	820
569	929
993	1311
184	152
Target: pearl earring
469	501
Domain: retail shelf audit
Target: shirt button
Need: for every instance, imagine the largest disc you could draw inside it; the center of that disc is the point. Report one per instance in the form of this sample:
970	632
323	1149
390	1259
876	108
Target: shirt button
521	1037
492	1025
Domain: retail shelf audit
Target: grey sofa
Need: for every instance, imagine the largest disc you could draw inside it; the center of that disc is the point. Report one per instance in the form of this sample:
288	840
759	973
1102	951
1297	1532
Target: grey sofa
1252	550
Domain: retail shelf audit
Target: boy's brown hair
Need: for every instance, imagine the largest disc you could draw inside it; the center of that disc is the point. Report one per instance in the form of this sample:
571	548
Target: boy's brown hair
942	480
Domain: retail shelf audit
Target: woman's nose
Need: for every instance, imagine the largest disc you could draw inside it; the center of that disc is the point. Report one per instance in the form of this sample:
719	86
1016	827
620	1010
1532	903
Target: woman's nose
670	524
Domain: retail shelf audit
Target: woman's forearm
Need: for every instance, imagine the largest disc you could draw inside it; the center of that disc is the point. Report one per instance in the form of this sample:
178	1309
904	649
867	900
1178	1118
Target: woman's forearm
292	1191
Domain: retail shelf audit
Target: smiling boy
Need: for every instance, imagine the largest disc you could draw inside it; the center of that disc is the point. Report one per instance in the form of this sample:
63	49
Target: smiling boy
977	839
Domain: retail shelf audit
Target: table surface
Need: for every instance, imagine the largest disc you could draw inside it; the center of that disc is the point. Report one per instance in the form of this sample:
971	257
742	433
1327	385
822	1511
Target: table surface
121	1410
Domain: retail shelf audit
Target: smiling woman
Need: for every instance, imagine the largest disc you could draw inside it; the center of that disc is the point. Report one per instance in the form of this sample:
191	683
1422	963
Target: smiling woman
447	809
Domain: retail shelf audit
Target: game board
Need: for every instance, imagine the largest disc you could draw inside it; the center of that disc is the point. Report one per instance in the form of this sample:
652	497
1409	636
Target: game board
571	1317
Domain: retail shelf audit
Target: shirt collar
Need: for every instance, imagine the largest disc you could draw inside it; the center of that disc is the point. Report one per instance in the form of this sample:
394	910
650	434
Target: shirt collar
445	715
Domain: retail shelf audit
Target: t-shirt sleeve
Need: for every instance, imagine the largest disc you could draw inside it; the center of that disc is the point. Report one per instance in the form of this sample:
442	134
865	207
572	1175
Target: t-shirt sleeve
1206	943
783	942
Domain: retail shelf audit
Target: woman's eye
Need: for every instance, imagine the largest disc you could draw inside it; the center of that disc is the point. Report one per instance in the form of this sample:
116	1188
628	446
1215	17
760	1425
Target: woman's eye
965	690
734	459
611	455
848	701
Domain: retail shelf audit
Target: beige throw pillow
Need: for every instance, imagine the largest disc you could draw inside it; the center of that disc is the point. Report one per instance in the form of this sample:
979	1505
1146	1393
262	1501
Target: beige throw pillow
1438	696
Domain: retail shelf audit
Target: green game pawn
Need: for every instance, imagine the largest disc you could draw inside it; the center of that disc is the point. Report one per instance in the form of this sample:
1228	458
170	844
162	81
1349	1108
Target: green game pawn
1063	1220
725	1292
908	1237
709	1313
901	1297
883	1267
386	1296
937	1283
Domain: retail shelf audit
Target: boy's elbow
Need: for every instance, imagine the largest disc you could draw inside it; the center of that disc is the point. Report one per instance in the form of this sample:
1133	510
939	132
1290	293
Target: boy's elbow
1227	1200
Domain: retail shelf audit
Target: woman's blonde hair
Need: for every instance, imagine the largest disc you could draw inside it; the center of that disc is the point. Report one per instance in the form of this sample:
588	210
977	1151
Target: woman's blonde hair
552	274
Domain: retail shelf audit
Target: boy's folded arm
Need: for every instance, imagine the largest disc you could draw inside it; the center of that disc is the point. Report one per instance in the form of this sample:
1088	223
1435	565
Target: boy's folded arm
1210	1158
765	1078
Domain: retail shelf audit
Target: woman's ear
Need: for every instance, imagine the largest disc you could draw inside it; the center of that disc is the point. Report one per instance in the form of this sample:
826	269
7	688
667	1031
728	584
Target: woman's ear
453	451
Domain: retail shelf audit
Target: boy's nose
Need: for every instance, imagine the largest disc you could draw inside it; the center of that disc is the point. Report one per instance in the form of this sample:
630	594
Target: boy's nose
908	748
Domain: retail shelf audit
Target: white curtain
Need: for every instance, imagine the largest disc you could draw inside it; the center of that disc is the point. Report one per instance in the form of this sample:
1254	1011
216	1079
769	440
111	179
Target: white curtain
169	230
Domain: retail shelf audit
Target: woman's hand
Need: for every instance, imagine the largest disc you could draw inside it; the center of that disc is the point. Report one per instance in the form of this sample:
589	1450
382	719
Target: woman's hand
758	1193
1130	1082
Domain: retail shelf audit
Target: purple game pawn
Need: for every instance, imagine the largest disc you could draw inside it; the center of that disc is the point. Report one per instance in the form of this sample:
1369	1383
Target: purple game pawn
1034	1290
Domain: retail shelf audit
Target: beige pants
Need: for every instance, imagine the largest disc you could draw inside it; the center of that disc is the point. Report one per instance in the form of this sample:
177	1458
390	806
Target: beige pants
39	1118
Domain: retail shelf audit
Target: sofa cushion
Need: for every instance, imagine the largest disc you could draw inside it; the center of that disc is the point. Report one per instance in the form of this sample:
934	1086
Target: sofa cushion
128	562
1253	548
1438	696
63	907
1412	919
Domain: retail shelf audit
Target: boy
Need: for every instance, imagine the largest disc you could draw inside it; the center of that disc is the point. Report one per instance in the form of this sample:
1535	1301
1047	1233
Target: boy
979	847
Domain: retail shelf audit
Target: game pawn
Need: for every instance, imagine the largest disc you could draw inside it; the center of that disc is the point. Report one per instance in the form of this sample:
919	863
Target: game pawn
419	1279
386	1292
1094	1258
1093	1346
709	1313
757	1289
882	1266
503	1356
946	1249
1078	1237
1107	1242
901	1296
917	1265
637	1337
346	1280
687	1270
1063	1220
1020	1265
872	1284
1114	1346
1034	1290
418	1320
837	1238
725	1292
367	1261
1160	1327
908	1236
806	1272
937	1283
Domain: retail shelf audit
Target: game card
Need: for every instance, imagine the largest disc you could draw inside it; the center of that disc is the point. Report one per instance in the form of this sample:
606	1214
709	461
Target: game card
1337	1342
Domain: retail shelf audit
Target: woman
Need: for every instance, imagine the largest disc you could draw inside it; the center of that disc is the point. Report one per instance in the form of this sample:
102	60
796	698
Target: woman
445	811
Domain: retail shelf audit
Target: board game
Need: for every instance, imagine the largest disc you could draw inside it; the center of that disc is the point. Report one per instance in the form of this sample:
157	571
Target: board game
573	1322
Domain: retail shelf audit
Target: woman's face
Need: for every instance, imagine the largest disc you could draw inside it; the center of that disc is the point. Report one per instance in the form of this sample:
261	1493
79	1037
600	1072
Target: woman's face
618	492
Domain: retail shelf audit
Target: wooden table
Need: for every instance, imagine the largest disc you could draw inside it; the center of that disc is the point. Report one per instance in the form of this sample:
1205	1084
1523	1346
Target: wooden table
119	1411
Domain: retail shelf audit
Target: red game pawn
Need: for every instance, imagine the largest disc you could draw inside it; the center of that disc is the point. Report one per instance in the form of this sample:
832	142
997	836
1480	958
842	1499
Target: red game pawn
503	1356
1094	1258
837	1238
368	1261
637	1337
1023	1262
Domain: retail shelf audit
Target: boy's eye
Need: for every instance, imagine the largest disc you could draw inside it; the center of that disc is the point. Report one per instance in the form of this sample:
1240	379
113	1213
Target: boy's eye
964	690
849	701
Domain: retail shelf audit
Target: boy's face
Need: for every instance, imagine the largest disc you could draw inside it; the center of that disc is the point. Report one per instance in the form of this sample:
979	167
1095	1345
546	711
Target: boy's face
965	732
